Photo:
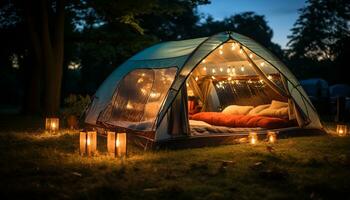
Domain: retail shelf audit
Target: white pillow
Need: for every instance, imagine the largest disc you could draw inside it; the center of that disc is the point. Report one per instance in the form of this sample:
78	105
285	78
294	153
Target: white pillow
258	109
237	110
280	113
278	104
198	123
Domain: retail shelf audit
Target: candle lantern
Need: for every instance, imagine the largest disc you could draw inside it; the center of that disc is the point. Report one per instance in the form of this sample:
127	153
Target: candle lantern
88	143
342	130
52	124
271	136
116	144
253	138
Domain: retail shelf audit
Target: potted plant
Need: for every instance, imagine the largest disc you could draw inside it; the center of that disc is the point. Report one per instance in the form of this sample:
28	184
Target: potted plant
74	106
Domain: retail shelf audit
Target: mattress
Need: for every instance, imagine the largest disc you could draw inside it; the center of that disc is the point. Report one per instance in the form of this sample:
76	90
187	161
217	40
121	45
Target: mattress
202	128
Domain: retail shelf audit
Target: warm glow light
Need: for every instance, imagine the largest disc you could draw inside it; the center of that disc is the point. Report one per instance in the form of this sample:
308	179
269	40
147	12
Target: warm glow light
140	80
213	71
221	69
262	64
213	77
250	55
52	124
253	138
269	77
204	68
271	136
233	46
221	52
240	51
88	143
129	106
221	47
154	94
196	78
203	61
143	74
187	84
229	78
116	144
228	70
342	130
242	69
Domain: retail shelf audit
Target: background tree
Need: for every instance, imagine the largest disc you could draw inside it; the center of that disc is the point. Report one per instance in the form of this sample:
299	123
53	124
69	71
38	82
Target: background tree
320	39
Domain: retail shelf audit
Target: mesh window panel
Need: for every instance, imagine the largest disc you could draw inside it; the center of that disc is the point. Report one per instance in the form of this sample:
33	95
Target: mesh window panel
139	96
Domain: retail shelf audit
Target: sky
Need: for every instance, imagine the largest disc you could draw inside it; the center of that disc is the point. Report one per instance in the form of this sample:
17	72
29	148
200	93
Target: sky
280	14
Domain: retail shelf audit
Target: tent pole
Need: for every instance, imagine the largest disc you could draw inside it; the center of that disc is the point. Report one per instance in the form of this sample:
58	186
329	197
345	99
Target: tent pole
263	76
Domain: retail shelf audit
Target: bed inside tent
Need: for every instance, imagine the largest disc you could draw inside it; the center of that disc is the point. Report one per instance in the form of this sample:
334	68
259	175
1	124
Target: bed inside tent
233	90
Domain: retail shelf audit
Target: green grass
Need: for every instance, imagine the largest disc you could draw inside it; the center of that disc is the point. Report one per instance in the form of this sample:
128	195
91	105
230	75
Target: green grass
44	165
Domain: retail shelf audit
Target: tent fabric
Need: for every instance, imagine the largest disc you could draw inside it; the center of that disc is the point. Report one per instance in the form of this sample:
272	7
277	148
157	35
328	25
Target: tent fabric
186	56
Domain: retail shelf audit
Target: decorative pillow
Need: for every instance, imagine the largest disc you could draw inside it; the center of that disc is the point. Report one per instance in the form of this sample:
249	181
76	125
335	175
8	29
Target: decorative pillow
237	110
278	104
198	123
280	113
258	109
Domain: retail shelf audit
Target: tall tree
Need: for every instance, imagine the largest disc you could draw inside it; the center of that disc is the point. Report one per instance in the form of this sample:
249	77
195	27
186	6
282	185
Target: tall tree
320	39
320	29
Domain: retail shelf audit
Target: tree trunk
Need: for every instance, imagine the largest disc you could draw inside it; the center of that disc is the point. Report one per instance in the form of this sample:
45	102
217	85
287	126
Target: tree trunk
48	47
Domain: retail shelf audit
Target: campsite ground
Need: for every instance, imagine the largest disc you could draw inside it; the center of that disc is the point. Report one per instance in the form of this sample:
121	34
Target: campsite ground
43	165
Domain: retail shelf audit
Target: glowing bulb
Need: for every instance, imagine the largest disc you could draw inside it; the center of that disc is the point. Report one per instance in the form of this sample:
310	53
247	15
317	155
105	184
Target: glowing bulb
187	84
228	70
262	64
242	69
117	143
233	46
221	69
253	141
196	78
250	55
221	52
203	61
53	125
229	78
261	81
221	47
204	68
140	80
269	77
143	74
213	71
240	51
213	77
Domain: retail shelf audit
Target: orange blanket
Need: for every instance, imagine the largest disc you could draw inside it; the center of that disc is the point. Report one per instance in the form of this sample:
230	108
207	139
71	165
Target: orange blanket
221	119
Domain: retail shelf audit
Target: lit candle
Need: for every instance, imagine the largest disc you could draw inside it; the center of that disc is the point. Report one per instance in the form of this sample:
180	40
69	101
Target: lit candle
253	138
272	137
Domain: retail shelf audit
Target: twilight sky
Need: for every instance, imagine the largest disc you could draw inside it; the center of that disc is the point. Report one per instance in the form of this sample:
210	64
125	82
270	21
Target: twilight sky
280	14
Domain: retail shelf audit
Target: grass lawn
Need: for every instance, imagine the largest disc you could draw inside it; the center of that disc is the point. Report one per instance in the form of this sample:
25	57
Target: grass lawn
44	165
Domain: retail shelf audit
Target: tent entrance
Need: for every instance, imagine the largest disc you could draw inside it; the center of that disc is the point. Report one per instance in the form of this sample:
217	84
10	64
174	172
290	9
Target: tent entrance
233	75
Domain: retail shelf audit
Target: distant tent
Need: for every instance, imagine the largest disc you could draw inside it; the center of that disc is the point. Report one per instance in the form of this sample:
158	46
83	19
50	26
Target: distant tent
174	92
339	90
317	88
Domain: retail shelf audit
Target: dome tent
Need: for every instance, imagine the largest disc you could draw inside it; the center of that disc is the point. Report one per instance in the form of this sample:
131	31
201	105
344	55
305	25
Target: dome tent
148	94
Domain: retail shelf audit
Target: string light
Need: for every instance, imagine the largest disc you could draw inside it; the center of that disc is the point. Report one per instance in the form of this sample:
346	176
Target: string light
213	77
203	61
250	55
221	47
269	77
229	78
228	70
262	64
204	68
242	69
196	78
187	84
221	52
240	51
261	81
213	71
250	81
233	46
221	69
